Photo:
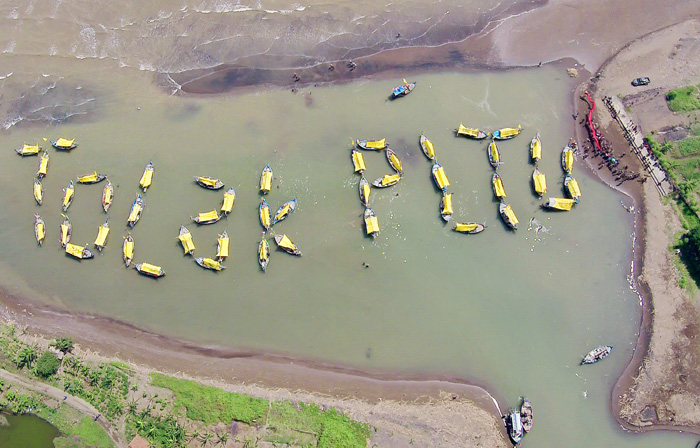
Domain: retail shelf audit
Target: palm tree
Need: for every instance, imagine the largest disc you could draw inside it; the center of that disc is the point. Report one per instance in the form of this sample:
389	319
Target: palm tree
132	406
206	438
223	437
25	357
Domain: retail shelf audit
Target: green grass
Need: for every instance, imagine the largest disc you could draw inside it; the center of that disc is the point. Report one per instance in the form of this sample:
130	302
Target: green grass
78	430
685	99
689	146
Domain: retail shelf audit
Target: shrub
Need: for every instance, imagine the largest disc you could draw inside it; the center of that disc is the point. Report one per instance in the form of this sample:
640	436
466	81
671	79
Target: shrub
63	344
47	364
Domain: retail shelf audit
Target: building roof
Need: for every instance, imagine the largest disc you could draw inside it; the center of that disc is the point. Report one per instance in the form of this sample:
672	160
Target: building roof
139	442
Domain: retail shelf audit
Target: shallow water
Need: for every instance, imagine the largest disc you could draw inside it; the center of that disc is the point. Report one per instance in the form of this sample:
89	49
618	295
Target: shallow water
28	431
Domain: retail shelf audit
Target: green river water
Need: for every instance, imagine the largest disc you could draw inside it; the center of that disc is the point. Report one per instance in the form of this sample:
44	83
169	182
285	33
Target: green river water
27	431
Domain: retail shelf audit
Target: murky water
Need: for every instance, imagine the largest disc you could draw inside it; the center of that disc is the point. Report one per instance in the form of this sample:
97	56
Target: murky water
27	431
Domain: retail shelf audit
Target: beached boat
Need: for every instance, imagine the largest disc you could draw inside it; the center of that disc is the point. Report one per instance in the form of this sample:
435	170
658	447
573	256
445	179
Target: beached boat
427	147
572	188
209	263
387	180
136	210
128	250
539	182
440	177
598	353
563	204
284	243
28	150
526	415
229	199
358	161
263	253
39	229
371	145
91	178
468	227
371	222
394	160
403	89
264	214
207	217
64	144
150	270
102	234
497	184
446	209
285	210
536	148
79	252
515	426
365	191
494	154
68	194
508	215
506	133
567	157
66	230
107	196
147	177
186	240
208	182
222	245
43	165
474	133
38	191
266	179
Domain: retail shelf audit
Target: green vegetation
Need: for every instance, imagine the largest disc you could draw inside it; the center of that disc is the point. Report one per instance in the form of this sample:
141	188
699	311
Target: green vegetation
77	430
64	345
161	431
47	364
103	385
685	99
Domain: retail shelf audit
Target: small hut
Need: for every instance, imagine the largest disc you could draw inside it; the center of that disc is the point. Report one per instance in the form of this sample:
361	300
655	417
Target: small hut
139	442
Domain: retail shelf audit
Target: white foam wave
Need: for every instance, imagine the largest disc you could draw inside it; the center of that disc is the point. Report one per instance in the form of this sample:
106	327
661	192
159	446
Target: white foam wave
14	14
10	47
5	76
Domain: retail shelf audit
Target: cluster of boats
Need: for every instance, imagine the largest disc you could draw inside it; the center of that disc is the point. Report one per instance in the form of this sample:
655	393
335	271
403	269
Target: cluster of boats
571	186
519	421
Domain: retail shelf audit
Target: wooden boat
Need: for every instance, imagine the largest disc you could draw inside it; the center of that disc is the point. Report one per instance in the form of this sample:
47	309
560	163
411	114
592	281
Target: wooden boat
107	196
285	210
39	229
440	177
207	217
38	191
598	353
43	165
28	150
208	182
539	182
263	253
498	188
91	178
222	246
515	426
102	234
147	177
79	252
427	147
563	204
365	191
186	240
209	263
358	161
394	160
66	230
494	155
572	188
229	199
446	209
508	215
266	179
387	180
64	144
526	415
371	222
68	194
567	157
284	243
474	133
136	210
128	250
371	145
150	270
506	133
403	89
468	227
536	148
264	214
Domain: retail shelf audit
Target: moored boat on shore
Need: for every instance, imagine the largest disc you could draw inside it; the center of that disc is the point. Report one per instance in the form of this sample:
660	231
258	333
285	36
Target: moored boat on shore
567	157
79	252
229	199
371	222
358	161
515	426
209	263
440	177
403	89
572	188
263	253
498	189
147	177
39	229
209	183
207	217
563	204
185	237
222	246
66	230
508	215
128	250
387	180
427	147
539	182
494	155
394	161
64	144
286	244
28	150
468	227
149	270
38	191
536	149
43	165
285	210
365	191
473	133
526	415
107	196
371	145
264	214
102	234
598	353
506	133
136	210
266	179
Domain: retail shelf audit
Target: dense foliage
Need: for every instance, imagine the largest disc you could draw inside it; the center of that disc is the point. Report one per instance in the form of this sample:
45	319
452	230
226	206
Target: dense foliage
685	99
47	364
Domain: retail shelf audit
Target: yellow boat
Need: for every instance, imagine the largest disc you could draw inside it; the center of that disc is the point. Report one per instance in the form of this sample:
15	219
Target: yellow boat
394	160
207	217
91	178
222	246
79	252
536	148
507	133
263	253
107	196
264	214
185	238
508	215
28	150
266	179
285	210
136	209
567	157
387	180
539	182
38	191
43	165
371	222
64	144
66	230
427	147
365	191
209	263
468	227
208	182
572	188
471	132
39	229
563	204
498	188
440	177
102	234
229	199
68	194
147	177
150	270
446	209
128	250
284	243
494	155
372	145
358	161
